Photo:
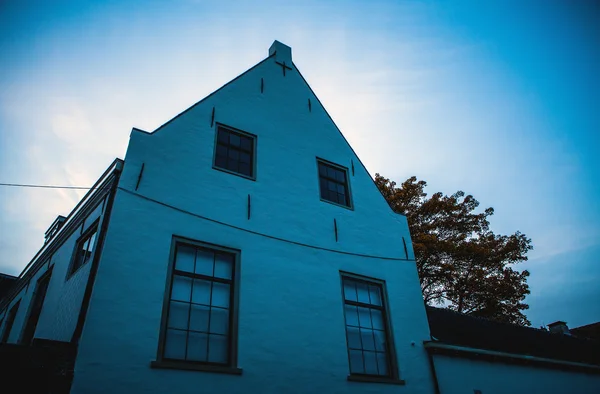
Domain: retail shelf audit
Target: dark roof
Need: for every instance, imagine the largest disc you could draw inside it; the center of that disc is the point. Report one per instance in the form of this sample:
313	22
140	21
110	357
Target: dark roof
591	331
457	329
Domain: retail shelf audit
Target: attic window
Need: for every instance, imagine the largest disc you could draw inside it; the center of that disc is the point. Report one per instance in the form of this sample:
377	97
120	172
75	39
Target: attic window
333	183
234	152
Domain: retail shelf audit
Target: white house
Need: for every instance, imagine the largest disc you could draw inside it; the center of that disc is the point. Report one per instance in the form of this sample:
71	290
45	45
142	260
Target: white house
241	247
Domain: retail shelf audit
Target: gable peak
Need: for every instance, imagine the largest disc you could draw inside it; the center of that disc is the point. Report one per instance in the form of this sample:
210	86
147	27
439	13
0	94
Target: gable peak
282	52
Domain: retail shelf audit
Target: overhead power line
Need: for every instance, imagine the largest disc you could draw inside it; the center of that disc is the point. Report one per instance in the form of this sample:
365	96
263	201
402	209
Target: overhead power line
47	186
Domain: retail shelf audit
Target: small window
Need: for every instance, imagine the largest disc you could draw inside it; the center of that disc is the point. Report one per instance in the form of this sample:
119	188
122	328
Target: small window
84	249
367	332
10	319
234	152
333	182
199	323
36	307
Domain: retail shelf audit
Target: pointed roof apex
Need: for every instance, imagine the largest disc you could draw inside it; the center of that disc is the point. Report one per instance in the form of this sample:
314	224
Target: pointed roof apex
282	52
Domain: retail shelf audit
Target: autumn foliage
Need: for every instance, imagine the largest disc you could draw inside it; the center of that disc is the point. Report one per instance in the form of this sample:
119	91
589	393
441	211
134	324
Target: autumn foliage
462	264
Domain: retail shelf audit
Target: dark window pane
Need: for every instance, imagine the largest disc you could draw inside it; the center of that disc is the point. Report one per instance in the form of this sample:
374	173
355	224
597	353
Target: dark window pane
223	265
375	295
199	317
197	346
245	169
246	144
356	362
364	317
341	189
221	150
217	351
382	363
379	340
204	262
350	290
232	165
377	319
370	363
367	339
353	338
201	293
221	161
220	295
363	292
223	136
340	176
185	258
341	199
233	155
219	321
332	186
175	344
322	169
182	288
179	313
351	315
234	140
331	172
244	157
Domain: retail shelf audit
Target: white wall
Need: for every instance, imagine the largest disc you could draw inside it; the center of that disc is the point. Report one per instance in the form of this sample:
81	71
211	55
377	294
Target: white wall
461	375
291	324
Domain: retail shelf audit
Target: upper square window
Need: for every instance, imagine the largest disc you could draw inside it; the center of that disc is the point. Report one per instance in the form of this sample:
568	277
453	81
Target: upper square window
84	248
333	182
234	151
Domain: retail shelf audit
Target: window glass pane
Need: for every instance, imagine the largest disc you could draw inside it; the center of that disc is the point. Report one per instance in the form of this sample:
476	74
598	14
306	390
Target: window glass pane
341	199
223	136
197	349
223	265
220	295
244	157
234	140
232	165
350	290
217	348
341	189
366	337
363	292
246	144
175	344
379	340
199	317
178	315
370	363
332	186
90	245
234	155
351	315
219	321
221	150
341	176
382	363
356	362
185	258
377	319
182	288
375	294
322	169
221	161
353	338
201	293
364	317
204	262
245	168
331	172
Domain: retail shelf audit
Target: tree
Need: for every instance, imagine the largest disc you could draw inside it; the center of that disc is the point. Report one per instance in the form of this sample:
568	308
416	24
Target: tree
462	264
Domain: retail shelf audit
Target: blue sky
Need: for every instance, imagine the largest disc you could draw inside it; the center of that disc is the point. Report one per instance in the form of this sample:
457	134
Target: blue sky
499	99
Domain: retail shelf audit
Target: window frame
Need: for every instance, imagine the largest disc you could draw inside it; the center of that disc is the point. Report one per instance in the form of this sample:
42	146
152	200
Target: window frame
229	367
9	322
254	157
350	205
85	235
29	324
393	375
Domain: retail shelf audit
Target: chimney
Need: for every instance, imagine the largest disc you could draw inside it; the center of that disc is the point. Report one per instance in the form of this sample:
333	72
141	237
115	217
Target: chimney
559	327
54	227
283	53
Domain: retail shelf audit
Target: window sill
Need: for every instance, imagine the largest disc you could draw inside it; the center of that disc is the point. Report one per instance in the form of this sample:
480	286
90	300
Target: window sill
252	178
195	367
350	207
375	379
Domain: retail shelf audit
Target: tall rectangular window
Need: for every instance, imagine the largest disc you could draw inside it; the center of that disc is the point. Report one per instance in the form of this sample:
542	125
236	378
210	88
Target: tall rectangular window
84	249
10	320
367	332
200	325
333	184
234	151
36	307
